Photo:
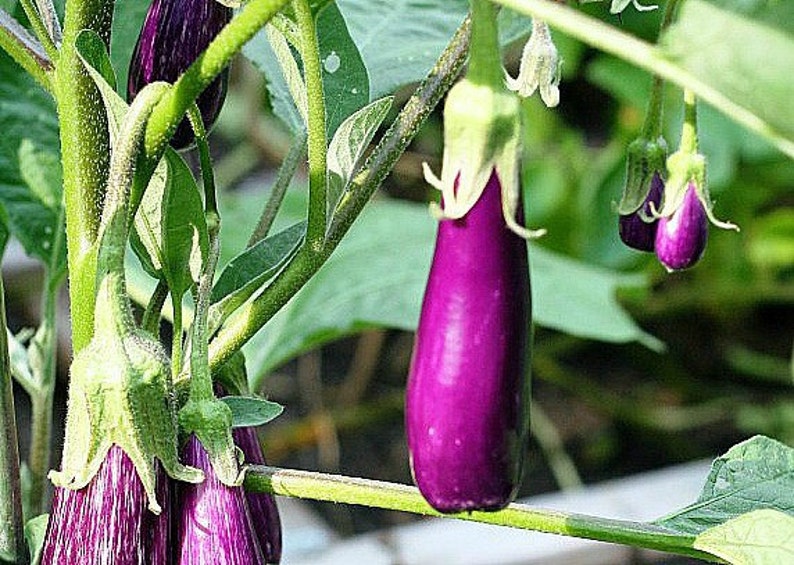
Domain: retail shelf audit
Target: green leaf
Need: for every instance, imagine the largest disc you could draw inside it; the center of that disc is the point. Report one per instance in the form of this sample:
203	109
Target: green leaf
348	145
35	530
31	213
254	266
365	283
250	411
345	80
755	474
171	231
760	537
750	66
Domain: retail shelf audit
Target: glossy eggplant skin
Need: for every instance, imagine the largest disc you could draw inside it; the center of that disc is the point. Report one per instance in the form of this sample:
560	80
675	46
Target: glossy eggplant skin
634	231
468	388
174	33
213	522
108	520
681	237
263	508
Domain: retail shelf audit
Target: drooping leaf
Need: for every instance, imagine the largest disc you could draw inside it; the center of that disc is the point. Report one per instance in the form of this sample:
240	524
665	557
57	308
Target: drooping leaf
170	228
348	145
760	537
251	411
31	213
755	474
35	530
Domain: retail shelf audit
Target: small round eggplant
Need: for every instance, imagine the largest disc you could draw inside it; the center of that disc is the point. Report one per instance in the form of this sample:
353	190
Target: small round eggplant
264	511
174	33
108	521
213	522
681	237
638	229
468	389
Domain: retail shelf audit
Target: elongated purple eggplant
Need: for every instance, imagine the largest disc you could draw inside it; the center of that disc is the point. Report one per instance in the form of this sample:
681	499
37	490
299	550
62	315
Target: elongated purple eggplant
638	229
466	413
108	520
213	521
174	33
264	511
681	238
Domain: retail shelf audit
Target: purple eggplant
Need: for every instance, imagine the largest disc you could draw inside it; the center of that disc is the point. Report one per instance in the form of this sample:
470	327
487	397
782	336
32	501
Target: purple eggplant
174	33
108	520
466	400
681	237
264	511
638	229
213	521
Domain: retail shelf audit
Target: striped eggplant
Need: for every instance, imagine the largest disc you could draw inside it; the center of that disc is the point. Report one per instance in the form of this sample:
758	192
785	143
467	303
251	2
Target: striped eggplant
638	229
264	511
468	389
107	521
213	521
174	33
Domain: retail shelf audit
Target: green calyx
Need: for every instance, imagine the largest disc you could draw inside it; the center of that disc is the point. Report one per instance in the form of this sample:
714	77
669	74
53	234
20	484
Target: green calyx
481	136
644	158
211	421
120	394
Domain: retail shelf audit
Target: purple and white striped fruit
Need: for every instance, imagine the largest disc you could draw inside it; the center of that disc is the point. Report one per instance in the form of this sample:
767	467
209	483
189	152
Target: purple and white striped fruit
262	505
213	521
638	229
174	33
468	388
107	521
681	237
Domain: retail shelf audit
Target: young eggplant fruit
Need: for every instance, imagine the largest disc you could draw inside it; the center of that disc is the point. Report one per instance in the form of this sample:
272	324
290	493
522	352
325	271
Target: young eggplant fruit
264	511
213	521
174	33
467	394
681	238
107	521
638	229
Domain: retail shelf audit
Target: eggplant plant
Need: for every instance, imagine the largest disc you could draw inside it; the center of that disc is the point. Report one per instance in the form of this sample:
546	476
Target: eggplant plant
161	461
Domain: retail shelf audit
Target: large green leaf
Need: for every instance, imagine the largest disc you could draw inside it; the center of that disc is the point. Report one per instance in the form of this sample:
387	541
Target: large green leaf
377	277
345	80
755	474
760	537
29	127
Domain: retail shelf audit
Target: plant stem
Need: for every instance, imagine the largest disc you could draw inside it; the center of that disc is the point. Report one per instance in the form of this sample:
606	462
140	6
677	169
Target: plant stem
390	496
485	62
41	31
317	143
642	54
25	50
85	149
689	133
176	336
12	538
279	189
151	316
169	112
367	179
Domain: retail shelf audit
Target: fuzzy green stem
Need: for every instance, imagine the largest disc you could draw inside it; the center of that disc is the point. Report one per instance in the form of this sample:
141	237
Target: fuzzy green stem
176	336
317	142
390	496
485	60
40	29
279	189
12	538
642	54
85	148
25	50
689	133
51	22
365	182
205	159
171	109
151	316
